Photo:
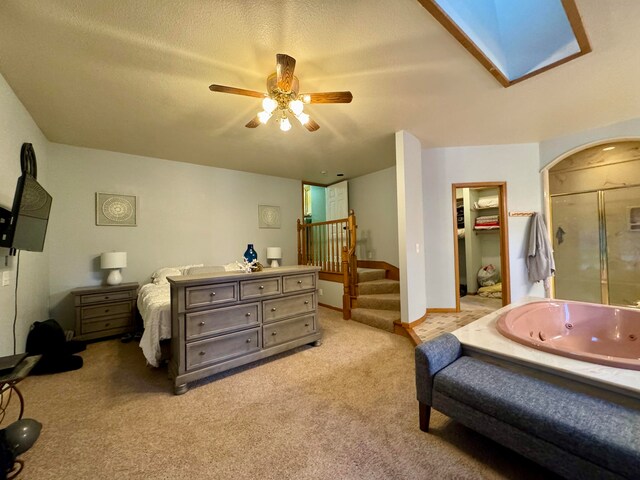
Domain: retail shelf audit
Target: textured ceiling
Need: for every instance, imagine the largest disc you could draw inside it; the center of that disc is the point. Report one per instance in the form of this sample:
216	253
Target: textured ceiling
133	75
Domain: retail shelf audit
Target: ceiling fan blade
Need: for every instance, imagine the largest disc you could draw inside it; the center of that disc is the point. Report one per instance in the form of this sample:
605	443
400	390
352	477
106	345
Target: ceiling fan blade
253	123
236	91
311	125
285	66
327	97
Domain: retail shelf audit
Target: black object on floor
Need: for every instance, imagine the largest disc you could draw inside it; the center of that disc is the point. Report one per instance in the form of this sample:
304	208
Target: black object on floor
48	339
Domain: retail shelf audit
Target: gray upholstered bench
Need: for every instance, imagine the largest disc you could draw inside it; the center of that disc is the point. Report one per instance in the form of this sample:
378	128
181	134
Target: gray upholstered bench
573	434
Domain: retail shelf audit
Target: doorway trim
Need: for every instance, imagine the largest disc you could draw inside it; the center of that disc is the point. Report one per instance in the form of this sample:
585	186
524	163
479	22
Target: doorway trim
504	237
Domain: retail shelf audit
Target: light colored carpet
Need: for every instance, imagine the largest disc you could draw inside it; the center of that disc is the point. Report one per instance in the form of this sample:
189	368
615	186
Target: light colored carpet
344	410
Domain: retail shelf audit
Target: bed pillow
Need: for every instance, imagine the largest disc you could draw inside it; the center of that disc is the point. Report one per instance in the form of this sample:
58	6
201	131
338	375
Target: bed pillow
185	268
204	270
160	276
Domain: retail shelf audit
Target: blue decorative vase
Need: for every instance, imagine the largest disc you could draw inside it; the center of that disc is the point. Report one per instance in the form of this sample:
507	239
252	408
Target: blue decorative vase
250	254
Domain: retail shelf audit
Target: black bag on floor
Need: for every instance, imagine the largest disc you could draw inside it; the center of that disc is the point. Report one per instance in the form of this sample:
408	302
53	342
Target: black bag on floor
48	339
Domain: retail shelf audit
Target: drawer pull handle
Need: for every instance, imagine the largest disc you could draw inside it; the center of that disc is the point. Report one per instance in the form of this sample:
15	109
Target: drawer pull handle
299	281
274	333
106	298
107	324
273	309
213	294
202	324
306	324
248	340
202	352
248	314
306	302
106	310
261	287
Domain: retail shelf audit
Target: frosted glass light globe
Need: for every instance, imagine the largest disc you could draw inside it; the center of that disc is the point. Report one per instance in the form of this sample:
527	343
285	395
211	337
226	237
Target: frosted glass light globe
285	125
269	104
296	107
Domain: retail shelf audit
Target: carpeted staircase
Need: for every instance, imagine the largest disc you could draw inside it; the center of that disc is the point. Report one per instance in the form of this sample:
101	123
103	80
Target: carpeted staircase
378	302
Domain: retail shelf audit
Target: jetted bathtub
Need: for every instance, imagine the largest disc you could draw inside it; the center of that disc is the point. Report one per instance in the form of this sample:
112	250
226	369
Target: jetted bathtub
586	331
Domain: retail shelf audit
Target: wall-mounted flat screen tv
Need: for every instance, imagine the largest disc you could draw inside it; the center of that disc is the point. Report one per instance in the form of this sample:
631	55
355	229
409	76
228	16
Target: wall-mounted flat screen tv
25	226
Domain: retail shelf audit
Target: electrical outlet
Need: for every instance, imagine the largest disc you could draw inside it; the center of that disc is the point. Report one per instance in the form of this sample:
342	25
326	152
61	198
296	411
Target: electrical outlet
5	278
320	292
417	248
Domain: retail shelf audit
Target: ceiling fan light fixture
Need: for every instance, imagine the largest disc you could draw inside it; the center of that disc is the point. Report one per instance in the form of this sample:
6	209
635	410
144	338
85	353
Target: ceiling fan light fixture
264	116
269	104
296	107
303	118
285	124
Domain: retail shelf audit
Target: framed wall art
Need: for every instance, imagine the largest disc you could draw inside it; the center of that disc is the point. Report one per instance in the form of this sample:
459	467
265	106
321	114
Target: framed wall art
268	216
114	209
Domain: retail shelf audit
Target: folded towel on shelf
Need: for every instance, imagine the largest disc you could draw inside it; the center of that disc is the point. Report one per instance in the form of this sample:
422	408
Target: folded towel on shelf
487	202
486	227
487	219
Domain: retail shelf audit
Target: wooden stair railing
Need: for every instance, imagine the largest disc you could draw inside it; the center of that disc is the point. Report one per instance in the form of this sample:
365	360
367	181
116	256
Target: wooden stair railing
325	244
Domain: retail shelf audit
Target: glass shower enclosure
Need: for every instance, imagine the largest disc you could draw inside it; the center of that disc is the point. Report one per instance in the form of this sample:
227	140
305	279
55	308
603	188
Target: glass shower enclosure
596	241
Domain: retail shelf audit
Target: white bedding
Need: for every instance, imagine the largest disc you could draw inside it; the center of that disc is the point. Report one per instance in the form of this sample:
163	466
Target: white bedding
154	305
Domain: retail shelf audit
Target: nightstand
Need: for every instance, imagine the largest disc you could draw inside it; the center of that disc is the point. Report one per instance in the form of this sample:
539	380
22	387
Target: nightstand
105	311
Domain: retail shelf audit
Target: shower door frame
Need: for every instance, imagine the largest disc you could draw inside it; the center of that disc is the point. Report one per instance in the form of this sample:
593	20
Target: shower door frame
602	233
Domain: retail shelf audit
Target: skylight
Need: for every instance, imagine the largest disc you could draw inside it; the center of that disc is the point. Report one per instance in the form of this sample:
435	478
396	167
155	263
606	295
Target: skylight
514	39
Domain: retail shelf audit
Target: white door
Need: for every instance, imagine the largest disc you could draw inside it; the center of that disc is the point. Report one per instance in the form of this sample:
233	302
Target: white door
337	200
337	203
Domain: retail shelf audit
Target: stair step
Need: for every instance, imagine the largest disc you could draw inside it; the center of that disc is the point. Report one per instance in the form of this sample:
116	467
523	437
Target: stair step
382	319
380	301
379	286
370	274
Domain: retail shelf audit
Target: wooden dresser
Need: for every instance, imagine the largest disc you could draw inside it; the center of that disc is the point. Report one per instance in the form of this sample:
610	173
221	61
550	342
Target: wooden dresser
224	320
105	311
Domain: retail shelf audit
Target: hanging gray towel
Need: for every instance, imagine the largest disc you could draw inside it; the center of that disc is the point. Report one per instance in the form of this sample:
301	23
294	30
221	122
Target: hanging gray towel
540	261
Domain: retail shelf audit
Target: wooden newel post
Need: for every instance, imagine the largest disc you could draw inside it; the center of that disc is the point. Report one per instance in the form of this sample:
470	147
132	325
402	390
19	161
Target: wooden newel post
299	243
346	296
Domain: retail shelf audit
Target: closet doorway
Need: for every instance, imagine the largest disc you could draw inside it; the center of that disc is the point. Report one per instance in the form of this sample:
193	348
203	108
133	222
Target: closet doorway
480	244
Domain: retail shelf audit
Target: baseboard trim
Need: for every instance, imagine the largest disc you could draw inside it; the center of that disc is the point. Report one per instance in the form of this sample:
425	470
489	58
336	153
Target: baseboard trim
406	329
331	307
441	310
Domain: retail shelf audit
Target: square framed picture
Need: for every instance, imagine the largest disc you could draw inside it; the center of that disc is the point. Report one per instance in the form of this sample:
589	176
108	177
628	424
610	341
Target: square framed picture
268	216
114	209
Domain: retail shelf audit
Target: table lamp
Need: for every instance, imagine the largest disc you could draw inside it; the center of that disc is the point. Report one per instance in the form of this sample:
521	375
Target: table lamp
274	254
113	261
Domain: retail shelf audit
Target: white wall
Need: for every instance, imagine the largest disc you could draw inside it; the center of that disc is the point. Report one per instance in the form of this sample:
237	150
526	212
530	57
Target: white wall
442	167
186	214
373	197
411	244
16	128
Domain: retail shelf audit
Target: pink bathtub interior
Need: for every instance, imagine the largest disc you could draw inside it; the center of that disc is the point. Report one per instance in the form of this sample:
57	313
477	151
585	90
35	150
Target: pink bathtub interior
586	331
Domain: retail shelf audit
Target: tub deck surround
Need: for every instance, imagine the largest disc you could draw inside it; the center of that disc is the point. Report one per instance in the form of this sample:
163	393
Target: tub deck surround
594	333
482	339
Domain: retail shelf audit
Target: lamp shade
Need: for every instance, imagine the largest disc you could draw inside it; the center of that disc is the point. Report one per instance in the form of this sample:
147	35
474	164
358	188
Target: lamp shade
274	254
113	260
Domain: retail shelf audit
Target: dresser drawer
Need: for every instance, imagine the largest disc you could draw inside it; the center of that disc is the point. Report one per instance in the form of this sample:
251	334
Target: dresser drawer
293	283
106	297
279	308
259	288
108	309
221	320
286	330
223	347
109	324
211	295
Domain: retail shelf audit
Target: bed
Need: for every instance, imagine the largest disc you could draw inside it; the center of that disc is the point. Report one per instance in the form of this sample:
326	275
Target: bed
154	305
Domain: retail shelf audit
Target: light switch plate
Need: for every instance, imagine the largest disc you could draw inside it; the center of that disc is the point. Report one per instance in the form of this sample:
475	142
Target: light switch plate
5	278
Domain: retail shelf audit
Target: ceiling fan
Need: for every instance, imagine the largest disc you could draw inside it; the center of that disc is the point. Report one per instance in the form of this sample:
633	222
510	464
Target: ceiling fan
282	97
